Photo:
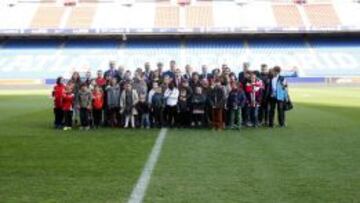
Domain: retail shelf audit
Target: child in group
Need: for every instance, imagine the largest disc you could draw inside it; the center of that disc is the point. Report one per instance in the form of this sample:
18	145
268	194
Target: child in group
235	102
143	109
85	104
217	102
253	92
198	102
128	100
97	105
157	107
59	90
171	96
113	103
183	109
152	91
68	102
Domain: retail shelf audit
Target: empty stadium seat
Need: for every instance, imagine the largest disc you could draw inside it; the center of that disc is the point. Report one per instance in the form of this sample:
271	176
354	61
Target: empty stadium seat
199	16
287	16
167	17
81	17
39	59
47	17
322	15
17	17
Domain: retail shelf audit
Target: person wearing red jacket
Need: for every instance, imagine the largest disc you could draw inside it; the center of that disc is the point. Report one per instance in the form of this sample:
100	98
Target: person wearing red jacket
68	103
253	93
100	80
98	103
57	93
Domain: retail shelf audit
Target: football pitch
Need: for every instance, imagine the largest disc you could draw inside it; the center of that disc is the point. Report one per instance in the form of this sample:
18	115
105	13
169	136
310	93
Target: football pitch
315	159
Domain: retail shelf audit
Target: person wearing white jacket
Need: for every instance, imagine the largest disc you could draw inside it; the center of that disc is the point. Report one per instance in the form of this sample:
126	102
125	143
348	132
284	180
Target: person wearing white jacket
171	96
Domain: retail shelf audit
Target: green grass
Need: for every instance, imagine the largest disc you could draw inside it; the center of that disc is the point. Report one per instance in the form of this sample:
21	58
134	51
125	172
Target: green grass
39	164
315	159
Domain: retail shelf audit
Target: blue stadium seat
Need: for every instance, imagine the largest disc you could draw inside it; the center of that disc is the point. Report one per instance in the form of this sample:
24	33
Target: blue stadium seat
99	43
32	43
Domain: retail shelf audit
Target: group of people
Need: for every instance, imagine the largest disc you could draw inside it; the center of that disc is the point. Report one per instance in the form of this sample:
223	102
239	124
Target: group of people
157	98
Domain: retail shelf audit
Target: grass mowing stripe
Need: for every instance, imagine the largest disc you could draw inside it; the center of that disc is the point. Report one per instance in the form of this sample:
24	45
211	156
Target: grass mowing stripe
139	190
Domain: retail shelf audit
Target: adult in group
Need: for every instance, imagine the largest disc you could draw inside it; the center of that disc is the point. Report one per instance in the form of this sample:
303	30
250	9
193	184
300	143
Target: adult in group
148	74
100	80
160	68
204	73
188	72
147	71
88	78
75	83
171	71
195	81
278	97
178	78
265	92
112	72
242	75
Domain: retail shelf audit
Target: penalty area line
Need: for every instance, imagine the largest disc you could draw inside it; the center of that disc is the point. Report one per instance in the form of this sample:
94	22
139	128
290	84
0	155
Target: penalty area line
139	191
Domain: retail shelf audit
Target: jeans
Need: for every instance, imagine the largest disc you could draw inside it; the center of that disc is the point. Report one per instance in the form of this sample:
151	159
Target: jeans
244	115
254	115
84	117
234	118
145	121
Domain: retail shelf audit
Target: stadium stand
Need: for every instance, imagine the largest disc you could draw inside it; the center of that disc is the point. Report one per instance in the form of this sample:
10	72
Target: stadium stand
322	15
81	17
233	15
47	17
199	16
314	57
46	59
287	16
167	17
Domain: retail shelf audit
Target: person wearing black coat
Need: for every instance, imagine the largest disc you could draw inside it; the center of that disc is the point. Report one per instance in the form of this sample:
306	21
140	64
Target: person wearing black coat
198	104
265	95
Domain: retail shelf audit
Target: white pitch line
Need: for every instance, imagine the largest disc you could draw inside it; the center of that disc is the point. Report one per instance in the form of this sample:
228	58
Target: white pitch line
139	190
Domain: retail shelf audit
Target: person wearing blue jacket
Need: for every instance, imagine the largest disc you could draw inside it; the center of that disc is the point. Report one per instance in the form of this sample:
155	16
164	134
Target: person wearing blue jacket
278	97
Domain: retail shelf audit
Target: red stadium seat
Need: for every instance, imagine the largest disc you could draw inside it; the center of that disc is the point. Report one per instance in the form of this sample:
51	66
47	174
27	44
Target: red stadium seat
69	2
